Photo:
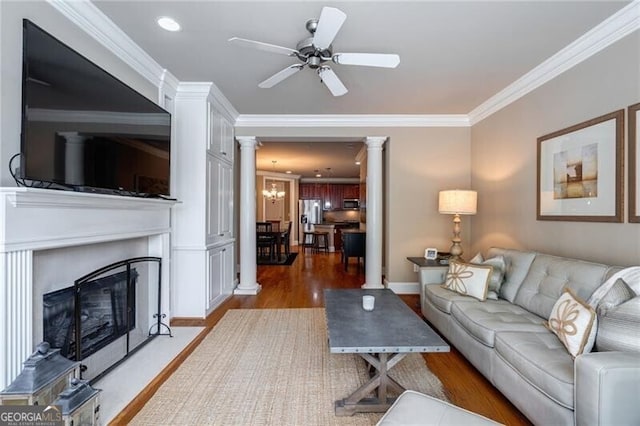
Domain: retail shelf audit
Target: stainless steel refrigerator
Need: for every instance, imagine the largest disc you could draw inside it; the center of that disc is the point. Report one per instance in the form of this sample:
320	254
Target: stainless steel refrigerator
309	214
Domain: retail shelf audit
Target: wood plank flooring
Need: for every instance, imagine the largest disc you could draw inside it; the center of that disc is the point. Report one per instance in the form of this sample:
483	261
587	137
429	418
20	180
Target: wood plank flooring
301	285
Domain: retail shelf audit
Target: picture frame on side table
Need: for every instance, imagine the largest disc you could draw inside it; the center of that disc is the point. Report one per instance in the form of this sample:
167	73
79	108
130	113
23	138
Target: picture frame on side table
580	171
634	162
431	254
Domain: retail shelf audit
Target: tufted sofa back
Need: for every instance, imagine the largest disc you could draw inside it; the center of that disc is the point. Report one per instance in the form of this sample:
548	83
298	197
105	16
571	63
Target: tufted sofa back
549	275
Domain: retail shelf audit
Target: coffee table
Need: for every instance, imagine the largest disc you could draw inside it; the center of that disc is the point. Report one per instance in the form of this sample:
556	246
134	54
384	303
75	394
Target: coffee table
382	337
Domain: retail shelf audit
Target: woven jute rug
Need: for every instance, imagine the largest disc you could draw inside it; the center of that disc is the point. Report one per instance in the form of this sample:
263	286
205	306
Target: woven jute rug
271	367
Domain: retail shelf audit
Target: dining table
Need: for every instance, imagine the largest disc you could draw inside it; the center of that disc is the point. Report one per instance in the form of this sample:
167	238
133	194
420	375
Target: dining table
278	236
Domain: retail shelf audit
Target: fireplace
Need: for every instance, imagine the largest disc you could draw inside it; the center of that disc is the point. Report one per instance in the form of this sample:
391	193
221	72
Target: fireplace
50	238
111	309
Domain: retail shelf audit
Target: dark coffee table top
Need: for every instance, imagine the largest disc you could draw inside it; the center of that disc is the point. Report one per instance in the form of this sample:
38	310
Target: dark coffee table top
391	327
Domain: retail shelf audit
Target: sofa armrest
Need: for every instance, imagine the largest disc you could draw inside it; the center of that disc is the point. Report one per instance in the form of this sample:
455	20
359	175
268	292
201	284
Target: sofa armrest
607	388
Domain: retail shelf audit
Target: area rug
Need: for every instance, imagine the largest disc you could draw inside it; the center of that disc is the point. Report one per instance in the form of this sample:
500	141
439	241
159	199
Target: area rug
270	367
283	260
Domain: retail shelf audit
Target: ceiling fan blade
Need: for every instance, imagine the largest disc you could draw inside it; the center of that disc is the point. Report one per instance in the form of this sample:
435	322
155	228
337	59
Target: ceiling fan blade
331	80
263	46
384	60
279	76
331	19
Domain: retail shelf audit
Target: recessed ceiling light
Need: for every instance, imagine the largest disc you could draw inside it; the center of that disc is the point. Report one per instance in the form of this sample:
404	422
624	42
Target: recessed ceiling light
357	163
288	172
318	175
168	23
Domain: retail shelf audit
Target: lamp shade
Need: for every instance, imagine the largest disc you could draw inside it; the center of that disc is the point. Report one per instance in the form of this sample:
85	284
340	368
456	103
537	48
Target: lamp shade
457	201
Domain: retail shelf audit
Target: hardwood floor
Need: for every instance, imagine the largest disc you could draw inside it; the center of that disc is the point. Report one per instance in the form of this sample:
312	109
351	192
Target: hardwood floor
301	285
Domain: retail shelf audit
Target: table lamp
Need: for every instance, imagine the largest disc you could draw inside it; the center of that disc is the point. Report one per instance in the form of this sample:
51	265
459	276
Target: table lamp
457	202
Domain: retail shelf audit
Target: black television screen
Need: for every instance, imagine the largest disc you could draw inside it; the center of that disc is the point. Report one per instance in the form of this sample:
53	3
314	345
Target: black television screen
83	129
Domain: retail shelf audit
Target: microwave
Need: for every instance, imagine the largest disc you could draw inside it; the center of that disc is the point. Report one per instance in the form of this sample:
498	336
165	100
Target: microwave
350	203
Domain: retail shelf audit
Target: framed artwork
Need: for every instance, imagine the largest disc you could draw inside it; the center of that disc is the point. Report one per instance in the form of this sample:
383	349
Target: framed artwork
634	163
580	171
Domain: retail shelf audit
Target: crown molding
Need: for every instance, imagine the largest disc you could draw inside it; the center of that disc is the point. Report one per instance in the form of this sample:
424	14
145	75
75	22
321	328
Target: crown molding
90	19
612	29
352	120
96	24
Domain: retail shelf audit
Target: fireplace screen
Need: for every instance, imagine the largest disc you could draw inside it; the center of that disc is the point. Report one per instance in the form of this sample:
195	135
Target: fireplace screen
104	315
113	310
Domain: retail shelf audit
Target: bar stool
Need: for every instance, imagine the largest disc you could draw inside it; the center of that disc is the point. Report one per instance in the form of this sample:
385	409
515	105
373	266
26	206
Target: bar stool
322	241
309	241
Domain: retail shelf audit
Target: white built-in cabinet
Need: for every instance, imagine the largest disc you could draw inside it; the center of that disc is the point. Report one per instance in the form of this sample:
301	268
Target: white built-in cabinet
203	264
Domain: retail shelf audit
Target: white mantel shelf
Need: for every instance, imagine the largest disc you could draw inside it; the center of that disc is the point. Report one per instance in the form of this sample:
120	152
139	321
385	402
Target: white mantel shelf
34	219
39	219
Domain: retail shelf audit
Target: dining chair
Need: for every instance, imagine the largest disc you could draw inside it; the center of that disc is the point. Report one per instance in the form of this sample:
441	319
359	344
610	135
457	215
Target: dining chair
265	243
286	237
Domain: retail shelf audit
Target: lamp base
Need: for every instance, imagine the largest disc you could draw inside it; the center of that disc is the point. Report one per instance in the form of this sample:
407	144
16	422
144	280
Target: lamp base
456	248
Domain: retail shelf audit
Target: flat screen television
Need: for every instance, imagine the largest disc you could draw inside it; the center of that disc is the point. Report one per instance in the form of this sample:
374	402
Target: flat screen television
85	130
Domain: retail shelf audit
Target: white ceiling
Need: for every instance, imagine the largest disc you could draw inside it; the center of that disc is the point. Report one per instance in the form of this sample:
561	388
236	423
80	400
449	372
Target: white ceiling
454	55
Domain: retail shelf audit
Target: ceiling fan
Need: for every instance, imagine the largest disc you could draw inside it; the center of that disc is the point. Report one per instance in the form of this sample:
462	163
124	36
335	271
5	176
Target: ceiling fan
315	51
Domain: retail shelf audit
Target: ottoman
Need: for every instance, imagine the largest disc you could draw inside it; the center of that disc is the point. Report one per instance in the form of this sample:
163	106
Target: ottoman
414	408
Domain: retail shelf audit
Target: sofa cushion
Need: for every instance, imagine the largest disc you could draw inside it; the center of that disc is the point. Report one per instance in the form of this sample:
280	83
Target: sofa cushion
467	279
499	266
540	359
574	322
483	320
550	275
443	298
619	328
518	264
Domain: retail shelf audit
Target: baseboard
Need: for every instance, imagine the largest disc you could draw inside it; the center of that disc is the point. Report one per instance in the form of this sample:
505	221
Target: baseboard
403	288
187	322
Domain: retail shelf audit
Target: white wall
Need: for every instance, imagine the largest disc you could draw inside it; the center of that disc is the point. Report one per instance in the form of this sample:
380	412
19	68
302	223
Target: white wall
46	17
504	163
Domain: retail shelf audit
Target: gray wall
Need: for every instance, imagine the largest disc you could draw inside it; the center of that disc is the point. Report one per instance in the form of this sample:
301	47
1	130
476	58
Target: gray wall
504	163
47	18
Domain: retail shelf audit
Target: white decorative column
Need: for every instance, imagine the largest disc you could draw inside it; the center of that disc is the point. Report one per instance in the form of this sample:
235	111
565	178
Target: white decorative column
373	269
248	267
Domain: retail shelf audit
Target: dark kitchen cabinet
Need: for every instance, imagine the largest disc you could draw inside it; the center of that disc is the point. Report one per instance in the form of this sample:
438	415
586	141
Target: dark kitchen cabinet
331	194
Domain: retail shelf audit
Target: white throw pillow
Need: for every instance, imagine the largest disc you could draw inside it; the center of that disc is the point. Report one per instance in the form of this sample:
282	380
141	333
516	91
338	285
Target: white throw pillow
574	322
468	279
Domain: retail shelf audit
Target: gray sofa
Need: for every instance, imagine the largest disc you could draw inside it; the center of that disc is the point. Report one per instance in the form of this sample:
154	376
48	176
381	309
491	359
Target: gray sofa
505	339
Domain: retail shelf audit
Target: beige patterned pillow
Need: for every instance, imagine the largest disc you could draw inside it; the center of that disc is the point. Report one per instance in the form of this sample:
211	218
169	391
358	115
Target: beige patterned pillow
467	279
574	322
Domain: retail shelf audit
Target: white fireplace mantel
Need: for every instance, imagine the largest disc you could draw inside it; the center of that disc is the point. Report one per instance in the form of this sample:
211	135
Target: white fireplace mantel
40	219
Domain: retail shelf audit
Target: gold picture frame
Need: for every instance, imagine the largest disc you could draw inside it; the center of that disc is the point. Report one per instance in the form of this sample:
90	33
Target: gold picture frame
580	171
634	162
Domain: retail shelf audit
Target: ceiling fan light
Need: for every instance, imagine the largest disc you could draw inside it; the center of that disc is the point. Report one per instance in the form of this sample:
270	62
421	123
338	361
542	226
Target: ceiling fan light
168	23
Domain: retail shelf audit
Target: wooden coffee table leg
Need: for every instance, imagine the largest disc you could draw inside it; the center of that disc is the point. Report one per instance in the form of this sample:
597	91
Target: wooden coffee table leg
358	402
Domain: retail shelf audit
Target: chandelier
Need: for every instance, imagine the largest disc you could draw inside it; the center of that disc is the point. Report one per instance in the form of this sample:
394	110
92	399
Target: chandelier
273	194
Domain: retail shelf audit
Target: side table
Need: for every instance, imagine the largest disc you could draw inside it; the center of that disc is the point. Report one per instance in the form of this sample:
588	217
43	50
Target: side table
429	272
